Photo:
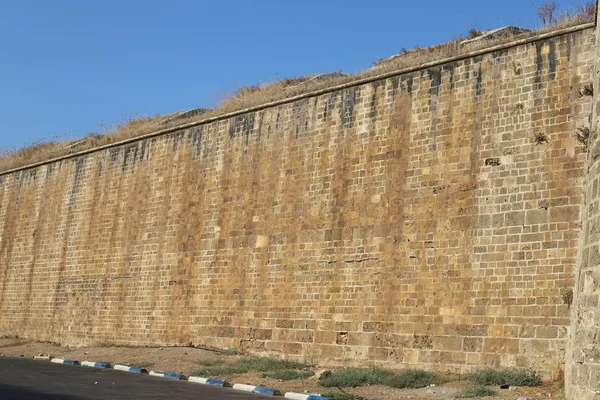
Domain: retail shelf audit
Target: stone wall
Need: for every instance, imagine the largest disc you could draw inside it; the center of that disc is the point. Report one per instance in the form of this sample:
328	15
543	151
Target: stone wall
429	219
583	361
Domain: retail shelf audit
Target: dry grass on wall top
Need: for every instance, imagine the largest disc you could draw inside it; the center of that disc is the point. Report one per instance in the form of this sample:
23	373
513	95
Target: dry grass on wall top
257	95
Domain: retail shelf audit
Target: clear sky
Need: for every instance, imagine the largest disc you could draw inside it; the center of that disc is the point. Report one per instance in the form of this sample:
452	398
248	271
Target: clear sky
67	66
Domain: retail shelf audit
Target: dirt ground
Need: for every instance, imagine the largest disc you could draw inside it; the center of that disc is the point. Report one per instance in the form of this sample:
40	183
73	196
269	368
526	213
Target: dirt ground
185	360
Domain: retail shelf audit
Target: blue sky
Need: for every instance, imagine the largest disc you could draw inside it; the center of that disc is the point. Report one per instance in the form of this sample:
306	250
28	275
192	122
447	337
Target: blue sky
67	66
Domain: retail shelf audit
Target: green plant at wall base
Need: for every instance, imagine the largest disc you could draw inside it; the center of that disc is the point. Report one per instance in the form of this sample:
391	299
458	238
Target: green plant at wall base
353	377
475	390
260	364
512	377
288	374
210	363
220	371
413	378
263	364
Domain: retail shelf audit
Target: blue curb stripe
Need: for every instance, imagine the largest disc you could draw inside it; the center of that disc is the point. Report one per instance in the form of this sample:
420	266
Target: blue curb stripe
172	375
138	370
169	375
61	361
267	391
95	364
317	398
216	382
208	381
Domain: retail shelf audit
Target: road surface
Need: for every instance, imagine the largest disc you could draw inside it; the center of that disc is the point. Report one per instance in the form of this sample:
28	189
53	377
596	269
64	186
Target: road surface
26	379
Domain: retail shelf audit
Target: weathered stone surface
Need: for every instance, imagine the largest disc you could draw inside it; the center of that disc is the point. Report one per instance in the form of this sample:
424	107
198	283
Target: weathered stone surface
583	354
359	226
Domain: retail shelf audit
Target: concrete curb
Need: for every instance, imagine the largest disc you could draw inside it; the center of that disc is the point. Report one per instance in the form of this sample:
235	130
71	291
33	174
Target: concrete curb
95	364
195	379
208	381
301	396
169	375
257	389
127	368
61	361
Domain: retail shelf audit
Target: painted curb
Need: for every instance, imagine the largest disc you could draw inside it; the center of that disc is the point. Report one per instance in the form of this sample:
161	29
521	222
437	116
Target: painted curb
267	391
95	364
257	389
61	361
245	388
127	368
169	375
207	381
301	396
42	358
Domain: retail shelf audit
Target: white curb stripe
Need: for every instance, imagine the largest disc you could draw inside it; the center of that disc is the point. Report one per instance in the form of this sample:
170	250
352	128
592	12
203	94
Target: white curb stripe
95	364
198	380
127	368
245	388
302	396
208	381
169	375
296	396
62	361
42	357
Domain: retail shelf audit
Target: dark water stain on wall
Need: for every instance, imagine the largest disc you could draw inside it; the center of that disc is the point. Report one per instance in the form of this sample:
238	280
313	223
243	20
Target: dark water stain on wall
195	137
145	150
177	138
49	171
76	179
232	127
206	144
129	156
347	108
260	127
373	106
449	68
498	56
395	80
100	168
435	77
478	71
114	153
407	83
247	128
26	177
299	117
329	105
539	65
552	59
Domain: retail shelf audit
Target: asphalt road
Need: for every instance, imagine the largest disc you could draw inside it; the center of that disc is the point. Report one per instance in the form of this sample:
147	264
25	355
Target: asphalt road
26	379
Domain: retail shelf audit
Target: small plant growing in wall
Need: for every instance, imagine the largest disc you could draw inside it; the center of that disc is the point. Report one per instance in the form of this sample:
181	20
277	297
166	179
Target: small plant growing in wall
587	90
540	138
568	297
583	135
